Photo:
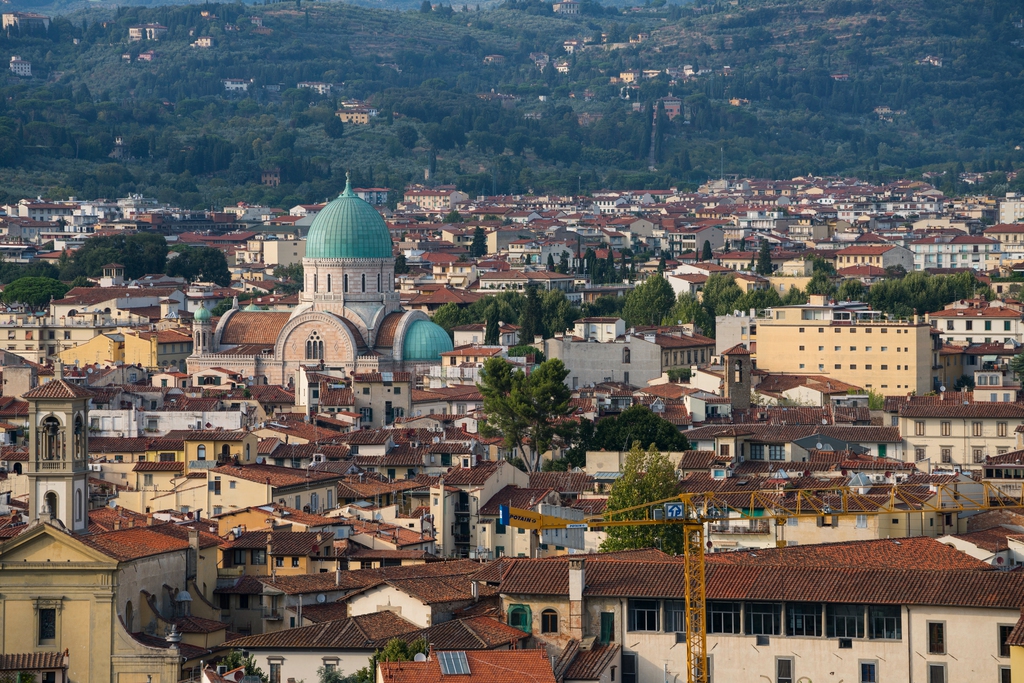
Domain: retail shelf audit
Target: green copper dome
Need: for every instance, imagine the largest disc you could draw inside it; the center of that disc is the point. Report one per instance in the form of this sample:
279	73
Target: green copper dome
348	227
425	341
203	314
252	307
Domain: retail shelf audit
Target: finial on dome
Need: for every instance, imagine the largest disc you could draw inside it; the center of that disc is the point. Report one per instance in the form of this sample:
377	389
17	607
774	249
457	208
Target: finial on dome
348	186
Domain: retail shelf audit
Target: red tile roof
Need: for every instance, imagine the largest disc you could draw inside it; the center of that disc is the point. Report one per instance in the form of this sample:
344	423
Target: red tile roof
485	666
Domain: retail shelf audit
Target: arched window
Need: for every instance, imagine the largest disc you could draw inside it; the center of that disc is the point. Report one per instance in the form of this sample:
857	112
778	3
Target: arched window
314	347
625	355
378	282
78	505
344	282
52	439
519	617
51	505
247	452
129	616
739	371
549	621
364	282
225	451
201	452
314	281
328	282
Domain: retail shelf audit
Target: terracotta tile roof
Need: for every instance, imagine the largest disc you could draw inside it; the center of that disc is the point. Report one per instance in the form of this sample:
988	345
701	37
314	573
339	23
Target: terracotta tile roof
588	665
920	552
290	515
473	633
386	329
58	389
172	466
125	545
514	496
205	435
252	327
960	410
244	585
472	476
198	625
279	477
562	482
284	542
993	540
485	666
362	632
32	661
329	611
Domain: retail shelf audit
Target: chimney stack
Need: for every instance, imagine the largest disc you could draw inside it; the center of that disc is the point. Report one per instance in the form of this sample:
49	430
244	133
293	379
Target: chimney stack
577	583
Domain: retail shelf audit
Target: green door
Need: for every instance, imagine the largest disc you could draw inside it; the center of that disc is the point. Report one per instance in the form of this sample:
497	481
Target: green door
881	450
607	627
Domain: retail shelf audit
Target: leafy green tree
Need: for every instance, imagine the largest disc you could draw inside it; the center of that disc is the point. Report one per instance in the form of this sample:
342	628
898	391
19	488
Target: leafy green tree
449	317
407	136
649	302
237	658
647	476
204	264
688	310
706	254
524	410
141	253
522	350
764	260
479	246
794	297
851	290
401	267
34	292
1017	366
551	263
638	423
82	281
396	650
492	335
334	128
453	216
821	284
530	317
292	278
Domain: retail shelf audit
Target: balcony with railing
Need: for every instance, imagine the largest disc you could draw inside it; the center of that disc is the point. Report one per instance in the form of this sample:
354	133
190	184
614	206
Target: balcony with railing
272	613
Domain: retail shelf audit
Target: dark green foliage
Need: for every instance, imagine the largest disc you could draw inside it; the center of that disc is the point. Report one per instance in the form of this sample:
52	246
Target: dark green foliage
647	477
640	424
35	292
526	350
920	293
764	260
140	254
706	253
204	264
529	319
479	246
649	302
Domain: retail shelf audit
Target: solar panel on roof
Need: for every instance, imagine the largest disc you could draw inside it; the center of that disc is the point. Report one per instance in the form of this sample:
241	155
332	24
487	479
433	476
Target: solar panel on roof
453	663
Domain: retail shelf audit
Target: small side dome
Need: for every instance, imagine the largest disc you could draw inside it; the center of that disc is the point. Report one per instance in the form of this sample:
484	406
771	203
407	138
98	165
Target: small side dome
183	596
203	314
425	341
252	307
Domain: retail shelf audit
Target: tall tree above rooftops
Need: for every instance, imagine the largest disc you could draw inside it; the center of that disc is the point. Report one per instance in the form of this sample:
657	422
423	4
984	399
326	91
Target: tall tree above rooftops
647	476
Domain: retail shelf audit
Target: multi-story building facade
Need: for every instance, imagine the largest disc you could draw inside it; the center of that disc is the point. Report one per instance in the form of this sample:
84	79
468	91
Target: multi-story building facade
850	343
1011	209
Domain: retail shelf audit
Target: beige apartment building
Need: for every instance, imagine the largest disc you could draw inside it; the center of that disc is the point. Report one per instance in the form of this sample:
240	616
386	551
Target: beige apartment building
955	432
849	342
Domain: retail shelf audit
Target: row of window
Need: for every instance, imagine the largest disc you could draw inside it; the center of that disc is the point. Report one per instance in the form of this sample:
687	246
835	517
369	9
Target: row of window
344	283
258	558
853	330
969	325
946	428
946	454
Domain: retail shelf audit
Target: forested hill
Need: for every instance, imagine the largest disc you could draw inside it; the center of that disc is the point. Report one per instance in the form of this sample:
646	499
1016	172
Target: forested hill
878	89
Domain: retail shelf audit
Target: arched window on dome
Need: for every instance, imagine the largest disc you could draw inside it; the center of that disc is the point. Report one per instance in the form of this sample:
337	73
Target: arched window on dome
364	282
314	282
344	283
314	347
328	282
378	282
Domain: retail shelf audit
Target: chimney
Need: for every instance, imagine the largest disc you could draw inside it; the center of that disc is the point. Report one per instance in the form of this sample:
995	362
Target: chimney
149	519
474	588
577	582
337	577
117	524
270	545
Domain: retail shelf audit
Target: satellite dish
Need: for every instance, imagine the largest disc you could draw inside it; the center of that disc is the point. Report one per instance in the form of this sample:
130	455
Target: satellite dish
321	598
420	657
260	460
942	388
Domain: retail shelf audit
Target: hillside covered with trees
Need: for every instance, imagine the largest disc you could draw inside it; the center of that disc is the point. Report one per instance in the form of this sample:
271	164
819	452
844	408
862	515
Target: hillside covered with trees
873	88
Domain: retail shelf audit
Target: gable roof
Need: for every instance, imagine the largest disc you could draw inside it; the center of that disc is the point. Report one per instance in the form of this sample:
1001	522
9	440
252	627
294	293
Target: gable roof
485	666
364	632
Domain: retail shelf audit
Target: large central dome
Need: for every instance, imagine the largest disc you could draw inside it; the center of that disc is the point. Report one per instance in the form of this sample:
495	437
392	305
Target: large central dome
348	227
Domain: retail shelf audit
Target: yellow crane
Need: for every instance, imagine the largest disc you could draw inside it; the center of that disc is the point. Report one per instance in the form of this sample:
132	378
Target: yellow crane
694	510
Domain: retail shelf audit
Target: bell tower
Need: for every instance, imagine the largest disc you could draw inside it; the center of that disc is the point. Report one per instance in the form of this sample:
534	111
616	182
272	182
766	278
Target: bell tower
58	455
738	369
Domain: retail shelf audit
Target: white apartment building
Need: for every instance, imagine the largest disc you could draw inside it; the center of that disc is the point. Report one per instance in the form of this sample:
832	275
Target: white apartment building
1011	209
